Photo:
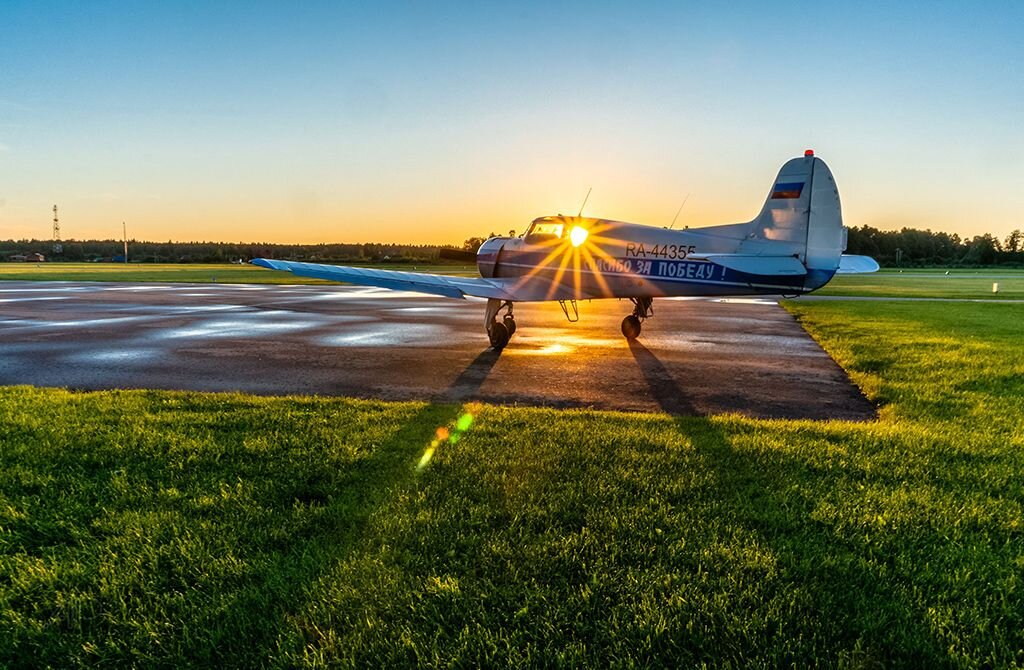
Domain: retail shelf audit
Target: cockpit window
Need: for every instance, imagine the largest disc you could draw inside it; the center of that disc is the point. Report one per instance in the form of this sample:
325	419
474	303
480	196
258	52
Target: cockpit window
543	231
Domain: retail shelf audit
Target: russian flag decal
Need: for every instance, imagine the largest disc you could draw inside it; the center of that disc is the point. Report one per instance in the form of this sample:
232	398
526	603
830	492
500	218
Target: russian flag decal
788	190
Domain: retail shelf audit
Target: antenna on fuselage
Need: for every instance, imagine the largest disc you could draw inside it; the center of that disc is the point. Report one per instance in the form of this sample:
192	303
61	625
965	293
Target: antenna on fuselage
677	211
584	202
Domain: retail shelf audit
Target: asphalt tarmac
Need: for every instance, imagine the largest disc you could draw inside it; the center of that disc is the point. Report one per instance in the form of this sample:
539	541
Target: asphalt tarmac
695	357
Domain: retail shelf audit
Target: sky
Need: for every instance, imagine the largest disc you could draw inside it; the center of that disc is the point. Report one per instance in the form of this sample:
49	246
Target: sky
433	122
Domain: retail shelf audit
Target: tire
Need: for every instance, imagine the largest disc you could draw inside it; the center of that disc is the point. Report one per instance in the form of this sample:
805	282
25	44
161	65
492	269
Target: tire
510	325
631	327
499	336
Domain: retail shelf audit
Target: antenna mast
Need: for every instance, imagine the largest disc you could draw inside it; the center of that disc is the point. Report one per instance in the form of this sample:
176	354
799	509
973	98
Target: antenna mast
584	202
678	210
57	246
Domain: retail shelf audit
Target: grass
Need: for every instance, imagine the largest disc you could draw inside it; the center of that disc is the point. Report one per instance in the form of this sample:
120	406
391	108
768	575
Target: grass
197	272
968	284
158	528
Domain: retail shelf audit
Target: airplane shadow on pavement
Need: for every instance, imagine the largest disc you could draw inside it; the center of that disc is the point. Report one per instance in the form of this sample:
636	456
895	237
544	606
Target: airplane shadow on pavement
468	383
664	388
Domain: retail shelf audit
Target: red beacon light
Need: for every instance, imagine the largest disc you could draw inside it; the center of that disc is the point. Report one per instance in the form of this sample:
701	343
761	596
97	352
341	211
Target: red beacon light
809	153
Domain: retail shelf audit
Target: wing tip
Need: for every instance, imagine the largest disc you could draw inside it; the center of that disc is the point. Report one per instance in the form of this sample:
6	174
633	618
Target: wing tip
265	263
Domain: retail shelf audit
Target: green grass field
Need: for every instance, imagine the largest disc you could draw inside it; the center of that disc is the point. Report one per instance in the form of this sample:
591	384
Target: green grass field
973	284
157	528
195	272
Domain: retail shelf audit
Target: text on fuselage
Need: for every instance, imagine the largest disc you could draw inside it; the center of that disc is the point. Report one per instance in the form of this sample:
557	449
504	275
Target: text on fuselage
671	251
661	269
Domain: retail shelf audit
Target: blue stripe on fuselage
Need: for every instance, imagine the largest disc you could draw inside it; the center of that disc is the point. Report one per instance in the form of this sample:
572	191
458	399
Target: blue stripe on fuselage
669	271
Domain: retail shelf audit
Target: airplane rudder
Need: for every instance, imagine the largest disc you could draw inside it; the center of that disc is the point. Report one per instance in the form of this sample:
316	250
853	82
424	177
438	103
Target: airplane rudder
826	238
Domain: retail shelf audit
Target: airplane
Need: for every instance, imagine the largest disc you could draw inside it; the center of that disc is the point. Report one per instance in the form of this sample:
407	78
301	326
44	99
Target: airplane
793	246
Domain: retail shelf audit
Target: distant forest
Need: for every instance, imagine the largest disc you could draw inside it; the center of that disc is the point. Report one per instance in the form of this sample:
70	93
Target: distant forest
908	247
219	252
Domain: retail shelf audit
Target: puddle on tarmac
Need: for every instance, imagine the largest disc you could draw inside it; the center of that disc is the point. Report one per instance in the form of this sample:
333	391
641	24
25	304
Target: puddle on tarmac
386	335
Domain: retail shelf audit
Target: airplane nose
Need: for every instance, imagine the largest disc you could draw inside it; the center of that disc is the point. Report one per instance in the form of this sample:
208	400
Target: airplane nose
487	256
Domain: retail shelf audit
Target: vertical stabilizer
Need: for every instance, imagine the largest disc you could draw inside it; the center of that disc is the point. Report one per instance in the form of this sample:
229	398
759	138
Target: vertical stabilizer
802	218
826	236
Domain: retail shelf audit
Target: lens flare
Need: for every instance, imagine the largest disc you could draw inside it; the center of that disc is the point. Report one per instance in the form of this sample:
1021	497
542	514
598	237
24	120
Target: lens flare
427	455
578	235
451	436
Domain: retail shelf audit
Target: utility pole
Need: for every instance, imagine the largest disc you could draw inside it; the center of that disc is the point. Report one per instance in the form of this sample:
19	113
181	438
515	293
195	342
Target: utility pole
57	246
124	233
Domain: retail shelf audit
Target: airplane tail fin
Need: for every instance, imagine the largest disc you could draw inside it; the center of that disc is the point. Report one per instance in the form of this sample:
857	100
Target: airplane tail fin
801	218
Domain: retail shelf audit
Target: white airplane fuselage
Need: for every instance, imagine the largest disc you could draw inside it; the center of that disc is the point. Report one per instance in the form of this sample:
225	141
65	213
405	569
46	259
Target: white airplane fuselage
633	260
801	219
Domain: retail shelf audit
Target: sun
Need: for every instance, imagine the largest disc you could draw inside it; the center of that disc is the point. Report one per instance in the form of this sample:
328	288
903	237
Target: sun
578	235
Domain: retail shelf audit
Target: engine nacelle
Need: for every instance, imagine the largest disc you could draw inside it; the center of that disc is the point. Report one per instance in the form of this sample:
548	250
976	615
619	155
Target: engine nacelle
487	256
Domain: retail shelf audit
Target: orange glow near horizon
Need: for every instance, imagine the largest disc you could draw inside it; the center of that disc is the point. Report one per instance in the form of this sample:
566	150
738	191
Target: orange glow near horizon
253	214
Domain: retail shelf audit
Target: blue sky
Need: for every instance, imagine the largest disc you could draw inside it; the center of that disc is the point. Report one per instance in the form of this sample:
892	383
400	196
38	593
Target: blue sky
408	122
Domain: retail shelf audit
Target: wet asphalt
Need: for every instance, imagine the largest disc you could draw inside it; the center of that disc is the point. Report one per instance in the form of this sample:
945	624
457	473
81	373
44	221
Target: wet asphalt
695	357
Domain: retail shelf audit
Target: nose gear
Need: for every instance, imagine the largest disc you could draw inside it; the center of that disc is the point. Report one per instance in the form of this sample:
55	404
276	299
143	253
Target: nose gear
643	308
499	332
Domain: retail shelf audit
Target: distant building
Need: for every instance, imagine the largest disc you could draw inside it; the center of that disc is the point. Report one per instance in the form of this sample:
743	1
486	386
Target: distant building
26	258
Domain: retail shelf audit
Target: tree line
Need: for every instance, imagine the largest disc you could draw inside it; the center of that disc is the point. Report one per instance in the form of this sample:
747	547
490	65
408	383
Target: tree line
908	247
219	252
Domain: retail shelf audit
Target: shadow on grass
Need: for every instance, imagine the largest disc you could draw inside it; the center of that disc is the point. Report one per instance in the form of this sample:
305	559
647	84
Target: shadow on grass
360	493
208	547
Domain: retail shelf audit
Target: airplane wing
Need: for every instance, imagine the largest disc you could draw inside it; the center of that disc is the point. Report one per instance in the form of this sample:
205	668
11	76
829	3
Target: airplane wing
420	282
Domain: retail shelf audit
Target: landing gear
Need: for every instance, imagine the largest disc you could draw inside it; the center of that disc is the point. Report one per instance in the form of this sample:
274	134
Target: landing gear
499	335
631	327
642	309
499	332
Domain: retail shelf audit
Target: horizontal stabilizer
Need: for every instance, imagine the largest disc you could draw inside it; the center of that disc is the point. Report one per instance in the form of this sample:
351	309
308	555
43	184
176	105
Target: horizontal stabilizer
854	265
757	265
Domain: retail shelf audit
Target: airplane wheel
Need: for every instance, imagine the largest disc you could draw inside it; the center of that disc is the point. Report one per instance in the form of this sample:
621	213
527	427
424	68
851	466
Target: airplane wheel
499	336
631	327
510	325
